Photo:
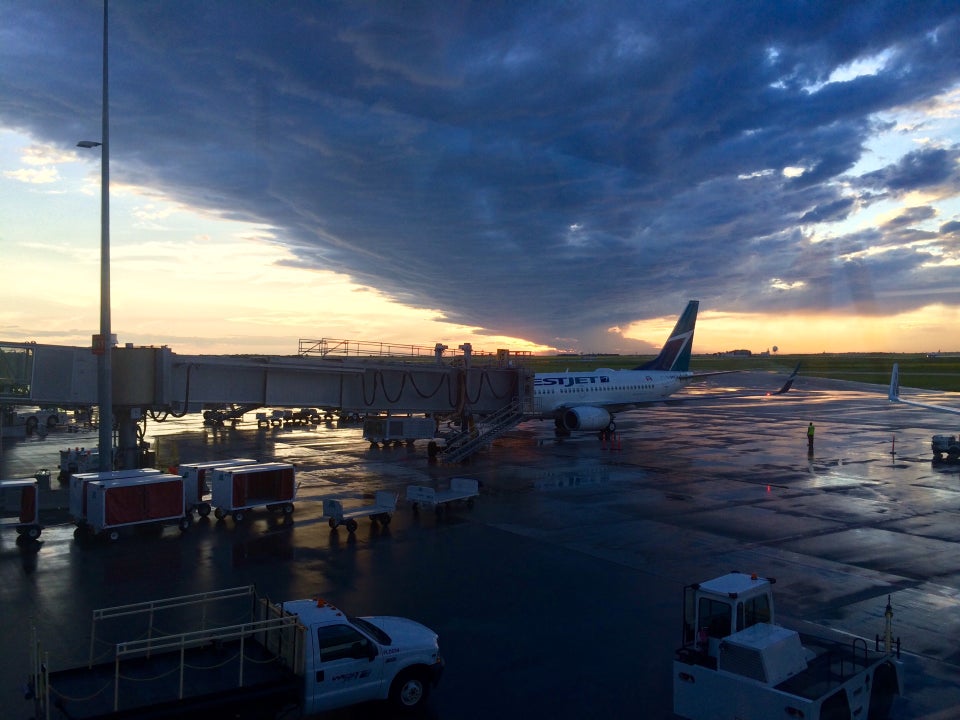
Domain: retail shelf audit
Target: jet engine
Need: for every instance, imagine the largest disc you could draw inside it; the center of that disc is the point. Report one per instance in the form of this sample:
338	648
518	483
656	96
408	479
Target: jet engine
586	418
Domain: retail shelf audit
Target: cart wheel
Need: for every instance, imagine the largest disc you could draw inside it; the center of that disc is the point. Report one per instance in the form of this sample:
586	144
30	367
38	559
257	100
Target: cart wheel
218	513
113	535
385	519
238	516
203	509
33	532
351	525
288	508
184	524
332	522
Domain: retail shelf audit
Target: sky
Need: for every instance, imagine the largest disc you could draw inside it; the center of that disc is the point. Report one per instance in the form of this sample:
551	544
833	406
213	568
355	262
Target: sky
536	176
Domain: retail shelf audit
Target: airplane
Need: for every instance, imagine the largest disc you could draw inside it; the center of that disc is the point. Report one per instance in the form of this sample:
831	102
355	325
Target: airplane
895	394
588	400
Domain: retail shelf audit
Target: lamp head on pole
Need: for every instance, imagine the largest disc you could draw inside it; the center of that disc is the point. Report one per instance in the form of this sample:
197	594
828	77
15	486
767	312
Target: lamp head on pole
88	144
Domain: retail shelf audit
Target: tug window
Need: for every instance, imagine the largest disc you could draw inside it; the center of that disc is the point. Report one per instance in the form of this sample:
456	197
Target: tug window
714	617
753	611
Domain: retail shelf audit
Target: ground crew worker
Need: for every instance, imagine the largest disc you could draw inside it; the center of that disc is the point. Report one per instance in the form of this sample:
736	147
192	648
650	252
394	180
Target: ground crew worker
810	437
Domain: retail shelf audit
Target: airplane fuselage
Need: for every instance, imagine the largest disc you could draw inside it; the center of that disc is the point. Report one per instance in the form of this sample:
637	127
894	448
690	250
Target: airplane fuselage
610	389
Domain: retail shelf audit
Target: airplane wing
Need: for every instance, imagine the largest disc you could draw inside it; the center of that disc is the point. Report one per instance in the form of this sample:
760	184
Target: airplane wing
895	395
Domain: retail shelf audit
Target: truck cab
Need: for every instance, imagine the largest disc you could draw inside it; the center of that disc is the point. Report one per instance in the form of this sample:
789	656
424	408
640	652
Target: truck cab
720	607
351	659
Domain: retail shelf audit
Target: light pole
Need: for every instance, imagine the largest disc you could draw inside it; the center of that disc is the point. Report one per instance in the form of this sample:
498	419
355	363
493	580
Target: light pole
104	374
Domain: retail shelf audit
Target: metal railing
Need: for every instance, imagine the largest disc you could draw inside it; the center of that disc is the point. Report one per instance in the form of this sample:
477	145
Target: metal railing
492	427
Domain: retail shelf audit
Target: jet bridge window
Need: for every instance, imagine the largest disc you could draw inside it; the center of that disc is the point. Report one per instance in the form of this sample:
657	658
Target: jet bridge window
715	617
341	641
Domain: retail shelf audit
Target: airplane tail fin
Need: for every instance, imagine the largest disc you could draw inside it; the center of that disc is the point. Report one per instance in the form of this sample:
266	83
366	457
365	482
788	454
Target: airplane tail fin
895	383
675	354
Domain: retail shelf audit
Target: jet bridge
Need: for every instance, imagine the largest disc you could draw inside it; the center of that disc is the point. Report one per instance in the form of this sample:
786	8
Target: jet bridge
156	380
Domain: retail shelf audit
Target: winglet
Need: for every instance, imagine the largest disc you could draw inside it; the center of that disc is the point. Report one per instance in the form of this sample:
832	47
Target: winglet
675	354
789	383
895	383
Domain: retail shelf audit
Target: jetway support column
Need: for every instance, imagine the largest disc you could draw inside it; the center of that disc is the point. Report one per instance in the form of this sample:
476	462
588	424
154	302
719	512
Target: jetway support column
128	444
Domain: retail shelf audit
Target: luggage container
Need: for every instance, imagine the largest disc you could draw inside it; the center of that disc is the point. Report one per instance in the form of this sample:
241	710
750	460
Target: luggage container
24	512
127	502
237	489
196	490
79	482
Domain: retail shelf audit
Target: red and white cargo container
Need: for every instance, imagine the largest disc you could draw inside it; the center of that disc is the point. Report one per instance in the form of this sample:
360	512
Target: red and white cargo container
22	512
238	489
80	481
195	486
155	499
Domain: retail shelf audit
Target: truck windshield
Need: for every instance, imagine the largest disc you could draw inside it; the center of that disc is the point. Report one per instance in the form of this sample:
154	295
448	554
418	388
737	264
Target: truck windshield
379	635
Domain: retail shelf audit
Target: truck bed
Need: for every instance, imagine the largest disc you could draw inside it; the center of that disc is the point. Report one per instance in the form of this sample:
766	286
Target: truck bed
834	664
149	687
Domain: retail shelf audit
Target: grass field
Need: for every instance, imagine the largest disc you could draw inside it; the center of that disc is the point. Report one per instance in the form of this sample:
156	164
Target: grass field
916	371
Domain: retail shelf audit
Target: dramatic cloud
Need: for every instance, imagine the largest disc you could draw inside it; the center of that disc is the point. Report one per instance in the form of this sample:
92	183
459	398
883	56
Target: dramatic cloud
541	170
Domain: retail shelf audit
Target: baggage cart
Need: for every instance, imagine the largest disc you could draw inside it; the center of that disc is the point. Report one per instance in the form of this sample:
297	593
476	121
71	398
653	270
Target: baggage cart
153	499
238	489
196	490
385	503
21	507
79	482
460	490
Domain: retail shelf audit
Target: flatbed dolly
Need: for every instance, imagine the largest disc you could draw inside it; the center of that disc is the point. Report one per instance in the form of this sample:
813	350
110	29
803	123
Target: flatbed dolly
384	505
461	489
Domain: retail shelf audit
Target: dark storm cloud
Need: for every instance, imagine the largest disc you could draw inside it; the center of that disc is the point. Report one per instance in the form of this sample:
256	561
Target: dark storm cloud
919	169
545	170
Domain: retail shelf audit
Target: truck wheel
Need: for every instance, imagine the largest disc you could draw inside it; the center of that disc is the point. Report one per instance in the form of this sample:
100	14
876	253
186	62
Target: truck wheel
31	425
33	532
351	525
288	508
332	522
238	516
52	421
409	691
218	513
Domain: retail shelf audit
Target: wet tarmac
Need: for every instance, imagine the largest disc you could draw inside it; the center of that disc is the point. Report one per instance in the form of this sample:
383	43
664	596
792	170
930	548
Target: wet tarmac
557	595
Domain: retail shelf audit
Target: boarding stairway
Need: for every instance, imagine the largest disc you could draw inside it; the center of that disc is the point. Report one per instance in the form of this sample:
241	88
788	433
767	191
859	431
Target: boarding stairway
492	426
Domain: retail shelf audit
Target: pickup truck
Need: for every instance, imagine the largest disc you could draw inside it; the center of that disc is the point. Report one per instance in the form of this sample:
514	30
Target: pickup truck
285	660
